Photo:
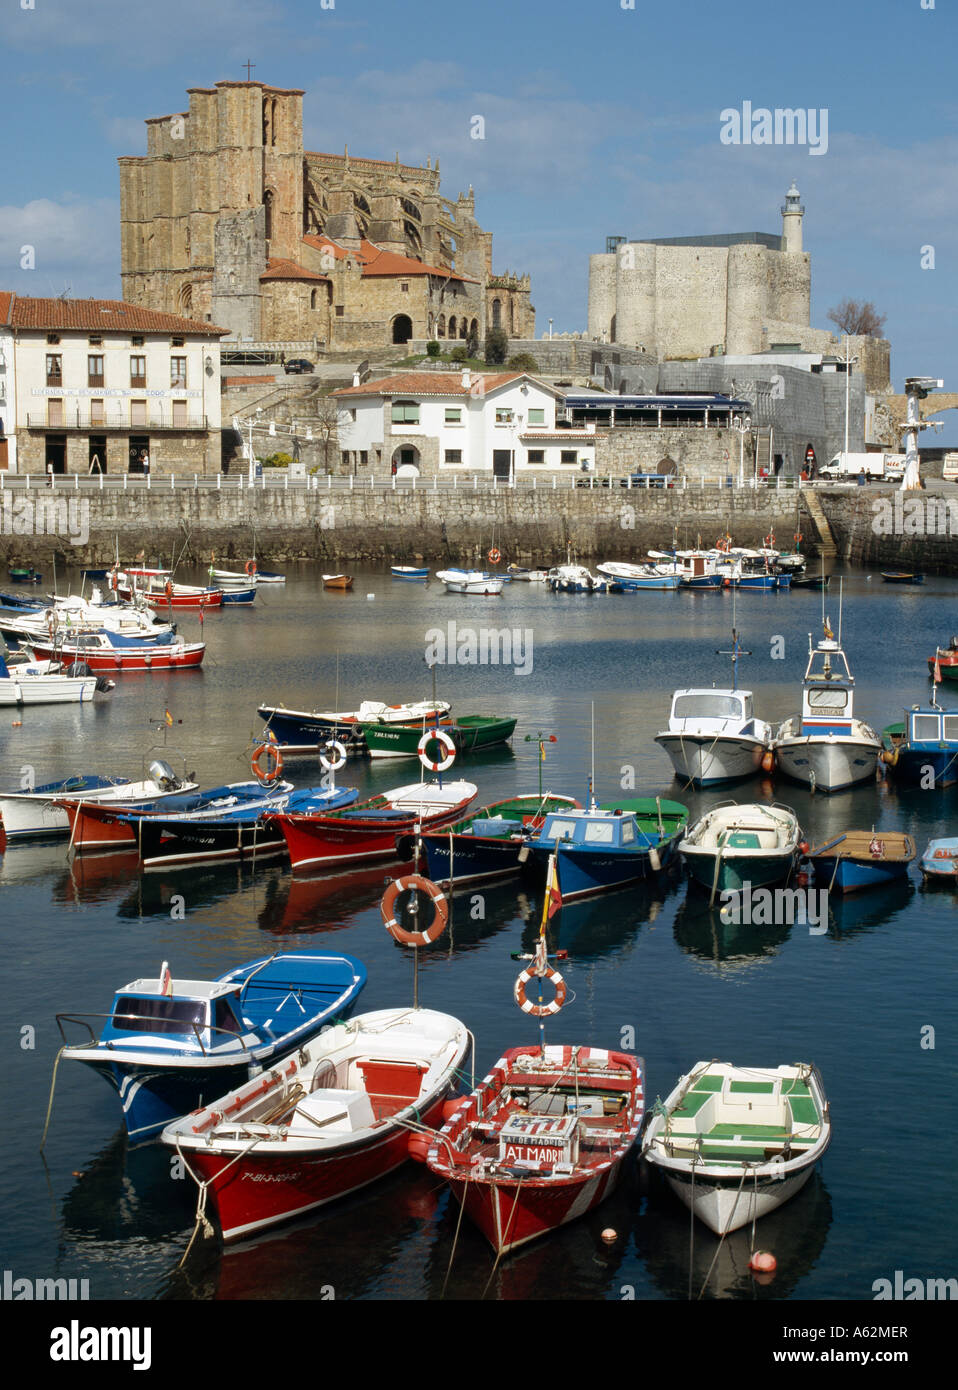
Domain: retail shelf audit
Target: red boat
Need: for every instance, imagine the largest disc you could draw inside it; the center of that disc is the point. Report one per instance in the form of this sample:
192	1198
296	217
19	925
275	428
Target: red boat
326	1121
165	594
370	829
541	1140
99	653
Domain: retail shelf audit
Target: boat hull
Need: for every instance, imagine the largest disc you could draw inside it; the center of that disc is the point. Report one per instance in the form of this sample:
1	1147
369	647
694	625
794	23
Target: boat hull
402	741
170	657
847	875
705	760
317	842
829	762
726	1205
17	691
510	1214
738	873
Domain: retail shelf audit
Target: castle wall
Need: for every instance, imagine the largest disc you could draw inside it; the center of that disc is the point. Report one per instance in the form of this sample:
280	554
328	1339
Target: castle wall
602	288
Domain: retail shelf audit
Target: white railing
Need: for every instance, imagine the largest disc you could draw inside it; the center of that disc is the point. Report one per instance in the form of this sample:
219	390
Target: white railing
273	480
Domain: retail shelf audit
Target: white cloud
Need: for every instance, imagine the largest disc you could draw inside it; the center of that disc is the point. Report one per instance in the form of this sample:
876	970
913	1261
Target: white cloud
76	243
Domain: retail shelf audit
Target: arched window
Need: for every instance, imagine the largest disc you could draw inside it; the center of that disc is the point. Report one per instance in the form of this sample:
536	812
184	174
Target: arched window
268	201
497	313
474	330
402	328
441	326
452	326
312	299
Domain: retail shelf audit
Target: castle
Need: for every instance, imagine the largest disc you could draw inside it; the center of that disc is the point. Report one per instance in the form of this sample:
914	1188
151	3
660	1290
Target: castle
685	297
227	219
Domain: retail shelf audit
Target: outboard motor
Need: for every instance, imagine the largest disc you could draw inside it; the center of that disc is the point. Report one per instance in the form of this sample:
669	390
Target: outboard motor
104	685
162	774
78	668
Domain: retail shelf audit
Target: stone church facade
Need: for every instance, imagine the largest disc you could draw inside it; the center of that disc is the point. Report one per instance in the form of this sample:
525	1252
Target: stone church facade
228	219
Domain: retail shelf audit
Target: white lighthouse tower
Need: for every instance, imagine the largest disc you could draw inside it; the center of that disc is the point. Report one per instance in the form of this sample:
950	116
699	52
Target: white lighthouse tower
792	214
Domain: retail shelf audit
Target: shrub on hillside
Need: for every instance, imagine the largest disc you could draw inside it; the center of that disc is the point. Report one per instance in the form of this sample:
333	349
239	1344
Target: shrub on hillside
433	348
523	362
497	346
459	354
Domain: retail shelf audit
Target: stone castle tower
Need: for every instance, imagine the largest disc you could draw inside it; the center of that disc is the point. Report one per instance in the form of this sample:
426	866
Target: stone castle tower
228	218
686	297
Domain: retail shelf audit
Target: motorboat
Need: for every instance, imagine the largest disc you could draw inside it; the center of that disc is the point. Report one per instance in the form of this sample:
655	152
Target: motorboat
734	847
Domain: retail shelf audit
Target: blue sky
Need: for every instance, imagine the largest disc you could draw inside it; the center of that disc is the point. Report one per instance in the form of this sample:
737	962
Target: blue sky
599	119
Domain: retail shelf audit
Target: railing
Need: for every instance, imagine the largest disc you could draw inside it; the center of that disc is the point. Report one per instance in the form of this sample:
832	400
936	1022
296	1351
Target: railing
87	420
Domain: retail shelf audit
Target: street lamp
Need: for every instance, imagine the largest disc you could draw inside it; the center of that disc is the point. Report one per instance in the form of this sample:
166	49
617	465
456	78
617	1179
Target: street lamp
849	361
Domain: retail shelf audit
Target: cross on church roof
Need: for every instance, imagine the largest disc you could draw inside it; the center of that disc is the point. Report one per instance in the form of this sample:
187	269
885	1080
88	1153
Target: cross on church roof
249	67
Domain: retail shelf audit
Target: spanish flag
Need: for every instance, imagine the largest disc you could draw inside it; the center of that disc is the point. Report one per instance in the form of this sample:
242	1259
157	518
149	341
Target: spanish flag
166	981
168	717
542	751
828	631
553	895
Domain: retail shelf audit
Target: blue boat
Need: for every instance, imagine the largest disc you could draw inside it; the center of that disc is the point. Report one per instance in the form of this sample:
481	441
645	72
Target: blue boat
861	859
702	581
488	844
939	863
408	572
923	750
606	847
243	596
170	1048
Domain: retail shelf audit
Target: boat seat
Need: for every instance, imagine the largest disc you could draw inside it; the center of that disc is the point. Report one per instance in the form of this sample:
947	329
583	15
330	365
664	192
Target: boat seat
497	827
743	839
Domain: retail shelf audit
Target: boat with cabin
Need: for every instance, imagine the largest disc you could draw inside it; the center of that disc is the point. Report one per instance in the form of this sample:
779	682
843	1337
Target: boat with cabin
36	813
486	844
922	751
600	848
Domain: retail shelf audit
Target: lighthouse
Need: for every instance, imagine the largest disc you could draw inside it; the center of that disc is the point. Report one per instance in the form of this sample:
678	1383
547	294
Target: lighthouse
792	214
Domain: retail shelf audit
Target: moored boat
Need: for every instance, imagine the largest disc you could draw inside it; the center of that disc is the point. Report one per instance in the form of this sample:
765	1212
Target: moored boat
46	683
944	664
459	581
486	844
337	581
860	859
734	1143
328	1120
469	732
36	813
600	848
104	651
408	572
922	751
939	863
112	826
902	577
305	731
167	1045
714	736
733	847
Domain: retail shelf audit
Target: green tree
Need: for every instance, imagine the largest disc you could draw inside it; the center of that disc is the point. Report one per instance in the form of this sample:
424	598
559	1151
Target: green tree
523	362
497	346
433	348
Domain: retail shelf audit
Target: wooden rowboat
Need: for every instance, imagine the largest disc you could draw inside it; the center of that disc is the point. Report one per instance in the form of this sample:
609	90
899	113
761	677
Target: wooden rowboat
337	581
862	859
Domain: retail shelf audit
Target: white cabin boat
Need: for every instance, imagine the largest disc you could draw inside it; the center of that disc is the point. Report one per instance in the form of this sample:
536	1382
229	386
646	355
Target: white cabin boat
826	747
713	736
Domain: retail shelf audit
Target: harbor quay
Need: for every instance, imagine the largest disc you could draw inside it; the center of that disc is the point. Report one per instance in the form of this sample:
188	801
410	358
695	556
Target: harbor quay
858	526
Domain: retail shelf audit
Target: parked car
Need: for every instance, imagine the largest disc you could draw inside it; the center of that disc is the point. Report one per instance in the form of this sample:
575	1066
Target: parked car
298	366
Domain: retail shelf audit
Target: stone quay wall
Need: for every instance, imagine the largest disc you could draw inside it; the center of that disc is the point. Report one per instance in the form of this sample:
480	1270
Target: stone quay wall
531	526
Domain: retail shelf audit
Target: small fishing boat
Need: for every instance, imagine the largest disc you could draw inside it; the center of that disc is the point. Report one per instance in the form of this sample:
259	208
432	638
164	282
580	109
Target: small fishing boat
944	664
939	863
902	577
922	751
631	578
331	1118
241	578
736	846
166	1047
860	859
459	581
734	1143
23	574
107	652
29	682
337	581
606	847
486	844
810	581
408	572
529	576
305	731
826	747
575	579
160	593
36	813
244	597
371	829
469	732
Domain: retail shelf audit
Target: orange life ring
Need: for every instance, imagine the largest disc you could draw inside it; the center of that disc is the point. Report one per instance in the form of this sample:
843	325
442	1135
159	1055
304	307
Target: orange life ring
540	1010
114	580
442	738
406	885
769	540
267	762
494	556
168	590
250	567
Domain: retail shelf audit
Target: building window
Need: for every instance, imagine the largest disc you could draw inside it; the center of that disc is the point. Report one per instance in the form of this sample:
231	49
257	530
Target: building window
503	416
404	286
137	412
138	372
178	373
94	367
536	456
345	458
339	311
537	416
405	413
453	414
137	340
364	458
53	338
496	313
55	410
97	412
96	340
568	456
312	299
54	369
177	342
453	456
179	415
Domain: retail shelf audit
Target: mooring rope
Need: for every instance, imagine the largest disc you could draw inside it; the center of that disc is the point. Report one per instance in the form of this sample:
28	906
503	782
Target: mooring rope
53	1082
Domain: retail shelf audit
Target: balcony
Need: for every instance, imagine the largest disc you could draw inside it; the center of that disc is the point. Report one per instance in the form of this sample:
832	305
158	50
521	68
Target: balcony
111	422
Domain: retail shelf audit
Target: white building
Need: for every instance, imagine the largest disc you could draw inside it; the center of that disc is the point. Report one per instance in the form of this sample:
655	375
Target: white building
98	385
426	422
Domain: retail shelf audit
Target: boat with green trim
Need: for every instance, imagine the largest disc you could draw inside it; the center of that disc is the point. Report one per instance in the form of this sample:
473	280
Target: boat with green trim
923	750
737	846
606	847
487	844
734	1143
469	733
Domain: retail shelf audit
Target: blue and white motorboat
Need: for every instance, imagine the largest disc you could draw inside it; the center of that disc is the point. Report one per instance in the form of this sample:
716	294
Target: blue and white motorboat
408	572
169	1048
575	579
606	847
630	578
459	581
35	812
922	751
939	863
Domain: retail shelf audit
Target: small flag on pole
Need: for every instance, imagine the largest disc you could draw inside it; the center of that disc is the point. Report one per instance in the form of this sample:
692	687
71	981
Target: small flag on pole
828	630
552	890
542	751
166	981
937	666
168	717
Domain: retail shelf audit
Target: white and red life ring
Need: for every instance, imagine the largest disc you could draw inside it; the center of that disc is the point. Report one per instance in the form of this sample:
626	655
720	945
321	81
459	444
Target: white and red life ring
415	882
494	556
251	567
540	1010
442	738
267	762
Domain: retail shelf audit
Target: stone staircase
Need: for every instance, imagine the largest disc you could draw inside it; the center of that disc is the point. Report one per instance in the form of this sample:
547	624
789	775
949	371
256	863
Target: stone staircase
825	540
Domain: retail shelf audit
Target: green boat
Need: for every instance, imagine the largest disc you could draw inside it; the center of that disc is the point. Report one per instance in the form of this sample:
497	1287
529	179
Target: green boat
736	847
469	733
654	816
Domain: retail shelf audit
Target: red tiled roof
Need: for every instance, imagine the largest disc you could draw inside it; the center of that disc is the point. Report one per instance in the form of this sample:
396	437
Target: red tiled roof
95	315
432	384
377	262
5	299
288	270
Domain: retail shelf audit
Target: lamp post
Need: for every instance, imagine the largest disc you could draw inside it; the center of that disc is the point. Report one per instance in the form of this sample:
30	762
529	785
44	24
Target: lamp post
849	361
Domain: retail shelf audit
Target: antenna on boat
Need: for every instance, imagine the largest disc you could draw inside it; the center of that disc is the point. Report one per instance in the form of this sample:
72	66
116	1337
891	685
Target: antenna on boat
841	582
592	774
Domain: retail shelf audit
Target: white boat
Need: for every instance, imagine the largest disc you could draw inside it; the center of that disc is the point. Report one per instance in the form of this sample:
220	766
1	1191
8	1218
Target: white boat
825	747
65	617
470	581
576	579
734	1143
735	847
28	682
31	813
713	736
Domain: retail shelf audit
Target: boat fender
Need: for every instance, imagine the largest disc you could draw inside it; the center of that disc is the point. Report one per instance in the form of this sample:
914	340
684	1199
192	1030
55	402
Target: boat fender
267	762
889	756
432	891
768	761
540	1010
332	764
418	1146
442	738
655	859
764	1262
251	567
450	1108
803	846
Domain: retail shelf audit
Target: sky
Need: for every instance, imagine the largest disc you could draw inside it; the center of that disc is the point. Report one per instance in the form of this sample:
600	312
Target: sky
599	117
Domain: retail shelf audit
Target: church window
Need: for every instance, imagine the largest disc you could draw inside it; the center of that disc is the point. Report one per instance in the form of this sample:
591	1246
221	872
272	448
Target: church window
312	299
268	205
404	286
496	313
441	326
339	311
